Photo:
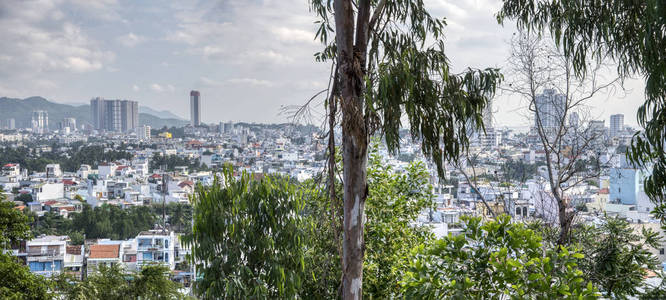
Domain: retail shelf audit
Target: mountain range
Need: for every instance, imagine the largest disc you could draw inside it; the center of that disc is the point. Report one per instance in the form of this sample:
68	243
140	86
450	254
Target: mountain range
21	110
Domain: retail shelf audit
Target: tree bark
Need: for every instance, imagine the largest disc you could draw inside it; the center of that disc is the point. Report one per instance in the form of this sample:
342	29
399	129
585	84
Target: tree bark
351	64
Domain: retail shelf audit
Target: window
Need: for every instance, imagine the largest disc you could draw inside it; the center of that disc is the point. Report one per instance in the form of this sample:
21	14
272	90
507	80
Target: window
661	251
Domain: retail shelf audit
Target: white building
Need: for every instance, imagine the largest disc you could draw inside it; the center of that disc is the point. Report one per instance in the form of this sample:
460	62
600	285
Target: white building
44	191
53	171
45	255
156	246
107	170
143	133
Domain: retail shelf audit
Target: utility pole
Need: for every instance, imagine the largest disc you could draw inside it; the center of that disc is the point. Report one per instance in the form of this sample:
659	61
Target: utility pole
84	265
164	190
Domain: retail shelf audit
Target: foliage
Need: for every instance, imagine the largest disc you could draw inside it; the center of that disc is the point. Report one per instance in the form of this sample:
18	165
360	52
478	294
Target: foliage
18	282
70	161
173	161
110	221
629	32
616	258
25	198
13	223
50	224
153	282
518	170
179	215
247	239
384	72
76	238
394	201
495	259
112	282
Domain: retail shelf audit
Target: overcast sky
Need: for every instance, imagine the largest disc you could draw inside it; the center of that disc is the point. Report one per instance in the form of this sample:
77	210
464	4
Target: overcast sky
248	58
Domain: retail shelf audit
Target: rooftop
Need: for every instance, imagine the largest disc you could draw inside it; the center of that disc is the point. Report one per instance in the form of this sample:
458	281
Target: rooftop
104	251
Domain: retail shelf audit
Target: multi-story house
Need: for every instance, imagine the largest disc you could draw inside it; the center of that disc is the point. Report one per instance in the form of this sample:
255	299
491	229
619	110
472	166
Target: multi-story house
103	254
44	191
156	246
45	255
73	260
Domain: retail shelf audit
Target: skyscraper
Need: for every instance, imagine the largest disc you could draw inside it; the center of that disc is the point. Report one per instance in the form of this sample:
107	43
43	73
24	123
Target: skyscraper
40	121
69	122
114	115
550	108
616	124
195	108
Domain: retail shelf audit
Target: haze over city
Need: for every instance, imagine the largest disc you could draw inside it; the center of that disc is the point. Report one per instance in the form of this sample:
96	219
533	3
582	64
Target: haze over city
239	54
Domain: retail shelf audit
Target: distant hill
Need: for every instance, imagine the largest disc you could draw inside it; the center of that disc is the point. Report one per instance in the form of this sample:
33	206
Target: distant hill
164	114
21	110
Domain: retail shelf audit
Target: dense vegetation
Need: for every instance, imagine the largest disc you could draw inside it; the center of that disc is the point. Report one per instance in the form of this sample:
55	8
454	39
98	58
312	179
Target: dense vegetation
173	161
69	161
110	221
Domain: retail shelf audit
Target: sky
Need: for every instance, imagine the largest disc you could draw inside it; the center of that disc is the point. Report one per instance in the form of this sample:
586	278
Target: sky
248	58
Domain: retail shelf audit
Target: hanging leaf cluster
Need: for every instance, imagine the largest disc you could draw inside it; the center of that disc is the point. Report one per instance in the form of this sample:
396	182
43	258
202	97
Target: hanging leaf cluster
408	79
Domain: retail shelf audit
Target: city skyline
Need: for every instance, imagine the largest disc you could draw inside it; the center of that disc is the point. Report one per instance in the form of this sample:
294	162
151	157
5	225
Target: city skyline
156	55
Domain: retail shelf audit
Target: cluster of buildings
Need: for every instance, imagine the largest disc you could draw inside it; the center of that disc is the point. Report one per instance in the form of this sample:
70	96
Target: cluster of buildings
298	152
54	255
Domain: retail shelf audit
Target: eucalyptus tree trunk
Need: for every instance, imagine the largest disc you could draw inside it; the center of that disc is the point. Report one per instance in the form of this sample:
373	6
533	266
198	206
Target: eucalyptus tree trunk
351	63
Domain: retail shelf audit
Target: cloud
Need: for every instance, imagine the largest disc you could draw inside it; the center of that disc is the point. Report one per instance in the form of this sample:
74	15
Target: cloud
162	88
251	82
130	40
265	34
38	38
243	81
293	35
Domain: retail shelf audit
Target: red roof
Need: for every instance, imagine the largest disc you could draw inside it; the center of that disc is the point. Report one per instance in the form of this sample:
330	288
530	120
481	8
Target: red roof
51	202
104	251
68	182
186	183
603	191
75	250
9	165
156	176
121	167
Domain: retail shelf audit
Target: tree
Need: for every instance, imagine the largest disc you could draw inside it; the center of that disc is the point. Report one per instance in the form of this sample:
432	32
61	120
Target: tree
494	260
13	224
382	71
629	32
545	78
153	282
25	198
17	280
248	237
616	258
113	282
394	202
